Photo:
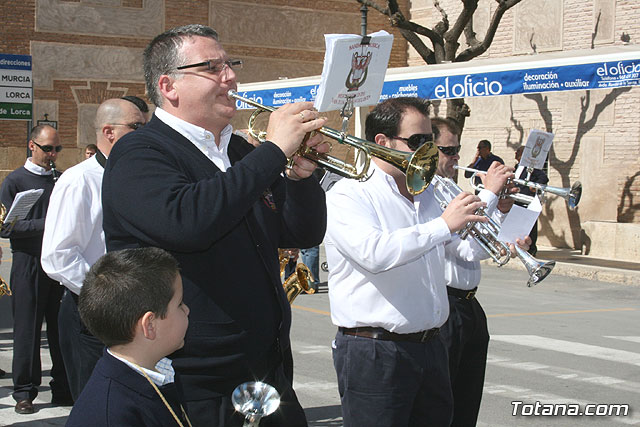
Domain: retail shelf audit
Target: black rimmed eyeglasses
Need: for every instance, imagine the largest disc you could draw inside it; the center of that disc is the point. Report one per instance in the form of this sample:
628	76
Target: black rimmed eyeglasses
451	150
416	140
134	126
48	148
215	65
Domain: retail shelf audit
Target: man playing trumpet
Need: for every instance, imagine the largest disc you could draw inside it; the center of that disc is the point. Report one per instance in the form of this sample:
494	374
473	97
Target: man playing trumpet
222	208
465	333
387	281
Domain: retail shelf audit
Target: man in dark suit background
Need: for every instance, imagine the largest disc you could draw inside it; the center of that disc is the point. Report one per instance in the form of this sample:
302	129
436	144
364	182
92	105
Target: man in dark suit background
537	175
221	207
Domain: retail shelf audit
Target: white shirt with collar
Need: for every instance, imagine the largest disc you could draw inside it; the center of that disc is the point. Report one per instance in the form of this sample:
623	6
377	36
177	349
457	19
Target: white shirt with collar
201	138
385	256
164	373
73	235
33	168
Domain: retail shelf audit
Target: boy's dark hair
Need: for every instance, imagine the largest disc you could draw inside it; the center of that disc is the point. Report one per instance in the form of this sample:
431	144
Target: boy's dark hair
121	287
385	117
138	102
93	147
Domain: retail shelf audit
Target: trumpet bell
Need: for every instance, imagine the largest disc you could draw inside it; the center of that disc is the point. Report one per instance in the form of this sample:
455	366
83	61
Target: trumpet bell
537	270
574	195
255	400
421	168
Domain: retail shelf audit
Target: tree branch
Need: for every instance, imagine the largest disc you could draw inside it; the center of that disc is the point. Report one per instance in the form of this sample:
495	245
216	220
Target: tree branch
479	49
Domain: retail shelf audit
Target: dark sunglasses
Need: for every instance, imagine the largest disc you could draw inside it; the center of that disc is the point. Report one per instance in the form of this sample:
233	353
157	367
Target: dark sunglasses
416	140
450	151
134	126
48	148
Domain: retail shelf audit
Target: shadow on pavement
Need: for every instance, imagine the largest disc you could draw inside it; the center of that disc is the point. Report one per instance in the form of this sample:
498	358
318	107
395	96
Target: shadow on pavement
324	416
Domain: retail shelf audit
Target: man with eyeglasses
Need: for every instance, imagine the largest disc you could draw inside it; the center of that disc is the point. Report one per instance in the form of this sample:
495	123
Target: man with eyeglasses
74	239
186	183
35	296
385	251
466	333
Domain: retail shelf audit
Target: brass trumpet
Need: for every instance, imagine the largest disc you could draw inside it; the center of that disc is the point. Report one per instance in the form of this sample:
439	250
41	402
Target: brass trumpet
4	286
298	281
572	195
419	166
486	235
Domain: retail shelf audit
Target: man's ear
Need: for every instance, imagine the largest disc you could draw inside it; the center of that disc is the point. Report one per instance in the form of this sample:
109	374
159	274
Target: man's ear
107	132
167	88
148	324
32	146
384	140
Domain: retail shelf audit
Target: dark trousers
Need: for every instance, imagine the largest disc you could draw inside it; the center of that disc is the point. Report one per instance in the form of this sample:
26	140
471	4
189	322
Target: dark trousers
467	338
533	249
35	297
80	349
219	412
391	383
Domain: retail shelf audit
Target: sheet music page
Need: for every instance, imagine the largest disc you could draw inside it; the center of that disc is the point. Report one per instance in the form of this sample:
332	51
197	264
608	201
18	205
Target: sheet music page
22	204
352	70
519	222
535	152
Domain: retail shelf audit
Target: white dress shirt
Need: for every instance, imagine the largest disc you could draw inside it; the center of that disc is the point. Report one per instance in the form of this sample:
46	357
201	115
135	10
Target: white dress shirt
201	138
385	256
33	168
73	236
164	373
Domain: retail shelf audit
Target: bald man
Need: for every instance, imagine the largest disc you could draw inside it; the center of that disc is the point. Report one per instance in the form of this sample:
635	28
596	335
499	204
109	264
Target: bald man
74	240
35	296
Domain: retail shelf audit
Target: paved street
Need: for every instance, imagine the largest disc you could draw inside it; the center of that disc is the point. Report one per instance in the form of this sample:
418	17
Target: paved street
567	340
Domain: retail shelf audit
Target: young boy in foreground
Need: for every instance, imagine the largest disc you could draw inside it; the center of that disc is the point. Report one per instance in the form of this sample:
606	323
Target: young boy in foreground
132	301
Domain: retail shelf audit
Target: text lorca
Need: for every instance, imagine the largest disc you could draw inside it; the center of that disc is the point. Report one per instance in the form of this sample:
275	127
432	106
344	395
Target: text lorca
468	88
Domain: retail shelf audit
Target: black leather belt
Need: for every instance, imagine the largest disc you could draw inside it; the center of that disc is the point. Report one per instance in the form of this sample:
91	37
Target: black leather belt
383	334
460	293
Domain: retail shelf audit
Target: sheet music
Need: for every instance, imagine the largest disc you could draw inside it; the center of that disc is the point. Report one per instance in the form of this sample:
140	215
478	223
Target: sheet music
519	222
352	70
22	204
537	148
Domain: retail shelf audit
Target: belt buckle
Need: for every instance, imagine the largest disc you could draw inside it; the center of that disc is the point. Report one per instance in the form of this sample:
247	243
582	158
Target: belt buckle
470	295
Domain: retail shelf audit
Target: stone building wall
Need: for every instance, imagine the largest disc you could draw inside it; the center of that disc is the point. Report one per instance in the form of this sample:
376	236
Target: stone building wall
86	51
597	133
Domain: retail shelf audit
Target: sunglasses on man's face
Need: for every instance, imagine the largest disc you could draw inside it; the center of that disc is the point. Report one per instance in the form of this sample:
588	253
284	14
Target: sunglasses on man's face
48	148
450	151
416	140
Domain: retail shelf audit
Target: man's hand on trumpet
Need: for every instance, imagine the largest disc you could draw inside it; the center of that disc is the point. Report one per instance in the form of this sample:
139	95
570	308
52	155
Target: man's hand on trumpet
288	127
461	210
498	181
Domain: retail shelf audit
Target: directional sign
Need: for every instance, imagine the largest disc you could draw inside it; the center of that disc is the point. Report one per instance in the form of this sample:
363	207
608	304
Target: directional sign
16	87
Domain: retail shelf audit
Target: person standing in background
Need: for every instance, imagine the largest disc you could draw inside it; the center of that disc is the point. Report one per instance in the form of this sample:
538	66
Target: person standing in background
74	239
35	296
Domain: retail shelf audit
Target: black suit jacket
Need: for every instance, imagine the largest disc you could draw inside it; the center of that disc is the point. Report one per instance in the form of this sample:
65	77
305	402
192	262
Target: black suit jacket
224	229
118	396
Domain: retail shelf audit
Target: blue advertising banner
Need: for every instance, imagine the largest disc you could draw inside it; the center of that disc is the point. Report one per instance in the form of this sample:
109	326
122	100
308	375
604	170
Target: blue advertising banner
602	75
561	71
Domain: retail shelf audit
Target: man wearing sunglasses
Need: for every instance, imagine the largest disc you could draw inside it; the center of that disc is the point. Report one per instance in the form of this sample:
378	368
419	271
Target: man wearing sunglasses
385	251
465	333
186	183
35	296
74	239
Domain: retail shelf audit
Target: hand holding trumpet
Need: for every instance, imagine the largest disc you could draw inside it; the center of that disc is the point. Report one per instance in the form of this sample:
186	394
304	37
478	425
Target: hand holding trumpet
288	128
462	210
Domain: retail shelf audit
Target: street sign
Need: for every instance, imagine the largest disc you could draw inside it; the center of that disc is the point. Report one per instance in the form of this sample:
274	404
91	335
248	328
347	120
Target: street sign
16	87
